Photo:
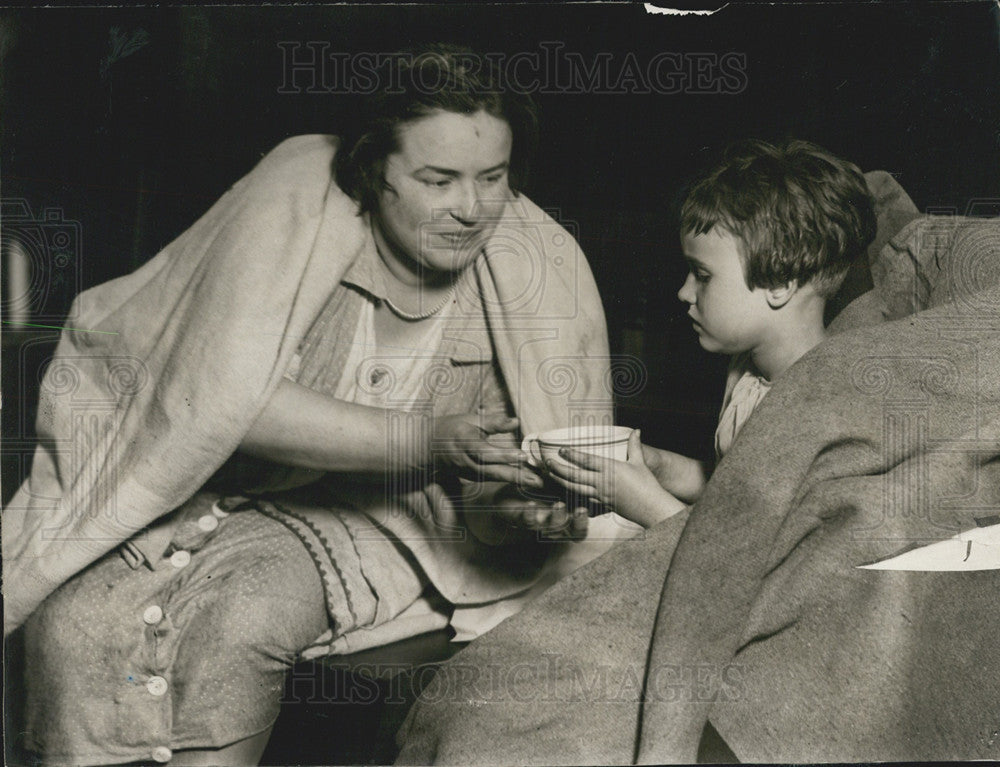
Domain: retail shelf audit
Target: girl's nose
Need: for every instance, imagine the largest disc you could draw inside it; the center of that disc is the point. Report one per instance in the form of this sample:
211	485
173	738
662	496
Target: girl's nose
687	292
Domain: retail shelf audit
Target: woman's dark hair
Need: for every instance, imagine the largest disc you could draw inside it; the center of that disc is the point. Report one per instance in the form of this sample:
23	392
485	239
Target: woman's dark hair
414	84
799	211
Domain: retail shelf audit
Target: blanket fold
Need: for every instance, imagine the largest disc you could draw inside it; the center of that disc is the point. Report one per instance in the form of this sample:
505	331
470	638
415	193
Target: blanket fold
755	616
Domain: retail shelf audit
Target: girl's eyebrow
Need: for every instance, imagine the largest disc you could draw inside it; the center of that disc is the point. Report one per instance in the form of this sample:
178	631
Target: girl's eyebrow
692	261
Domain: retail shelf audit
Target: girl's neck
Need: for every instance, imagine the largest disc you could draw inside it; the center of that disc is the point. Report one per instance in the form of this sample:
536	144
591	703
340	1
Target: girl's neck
791	342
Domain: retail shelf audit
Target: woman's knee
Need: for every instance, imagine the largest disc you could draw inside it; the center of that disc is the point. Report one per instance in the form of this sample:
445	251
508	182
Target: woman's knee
68	622
259	609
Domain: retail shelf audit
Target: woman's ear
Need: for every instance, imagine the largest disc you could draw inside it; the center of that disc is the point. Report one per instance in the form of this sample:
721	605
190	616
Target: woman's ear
781	295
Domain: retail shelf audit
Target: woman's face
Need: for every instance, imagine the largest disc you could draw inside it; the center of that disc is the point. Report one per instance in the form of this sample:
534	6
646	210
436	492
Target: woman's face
446	189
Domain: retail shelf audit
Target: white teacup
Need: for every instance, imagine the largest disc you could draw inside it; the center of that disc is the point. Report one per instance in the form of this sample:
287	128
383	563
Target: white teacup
604	441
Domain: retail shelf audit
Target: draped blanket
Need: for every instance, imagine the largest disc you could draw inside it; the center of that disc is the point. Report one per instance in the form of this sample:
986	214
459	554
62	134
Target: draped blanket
167	368
753	611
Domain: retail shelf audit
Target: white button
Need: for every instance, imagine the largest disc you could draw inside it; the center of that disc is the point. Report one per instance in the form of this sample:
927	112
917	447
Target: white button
162	754
217	510
180	558
208	523
156	685
152	614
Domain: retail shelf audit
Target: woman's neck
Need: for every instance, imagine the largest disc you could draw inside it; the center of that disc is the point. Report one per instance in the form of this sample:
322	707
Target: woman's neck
407	276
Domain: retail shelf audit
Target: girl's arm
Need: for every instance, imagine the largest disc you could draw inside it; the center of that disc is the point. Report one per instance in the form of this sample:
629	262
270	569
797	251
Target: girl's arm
678	474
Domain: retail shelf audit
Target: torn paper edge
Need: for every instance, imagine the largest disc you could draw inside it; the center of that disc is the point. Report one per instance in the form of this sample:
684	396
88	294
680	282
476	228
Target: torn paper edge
677	11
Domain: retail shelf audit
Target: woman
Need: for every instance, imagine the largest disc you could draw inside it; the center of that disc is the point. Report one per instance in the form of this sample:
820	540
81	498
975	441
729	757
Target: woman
340	366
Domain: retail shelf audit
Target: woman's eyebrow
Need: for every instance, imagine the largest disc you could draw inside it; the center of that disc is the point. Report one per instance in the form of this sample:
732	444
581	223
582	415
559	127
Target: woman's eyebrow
452	172
495	168
436	169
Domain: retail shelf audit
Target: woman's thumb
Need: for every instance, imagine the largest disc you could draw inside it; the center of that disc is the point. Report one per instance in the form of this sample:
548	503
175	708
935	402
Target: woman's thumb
496	422
635	445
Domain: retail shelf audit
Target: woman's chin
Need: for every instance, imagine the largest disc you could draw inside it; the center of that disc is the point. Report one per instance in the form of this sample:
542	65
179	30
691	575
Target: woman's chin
449	260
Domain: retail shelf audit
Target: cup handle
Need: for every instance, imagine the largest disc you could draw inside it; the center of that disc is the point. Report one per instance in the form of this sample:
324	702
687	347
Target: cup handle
530	446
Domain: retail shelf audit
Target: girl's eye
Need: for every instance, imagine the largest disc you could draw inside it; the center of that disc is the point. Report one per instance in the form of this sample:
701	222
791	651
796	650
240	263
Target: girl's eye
702	277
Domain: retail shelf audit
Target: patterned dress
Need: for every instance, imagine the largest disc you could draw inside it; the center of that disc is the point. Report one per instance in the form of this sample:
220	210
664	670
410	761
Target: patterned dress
182	638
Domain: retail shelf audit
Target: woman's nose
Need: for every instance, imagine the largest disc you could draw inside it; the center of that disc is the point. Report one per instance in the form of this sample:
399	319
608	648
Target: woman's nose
465	207
687	292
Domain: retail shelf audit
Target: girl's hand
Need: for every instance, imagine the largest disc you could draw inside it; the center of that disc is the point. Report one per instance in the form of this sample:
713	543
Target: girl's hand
472	446
682	477
629	487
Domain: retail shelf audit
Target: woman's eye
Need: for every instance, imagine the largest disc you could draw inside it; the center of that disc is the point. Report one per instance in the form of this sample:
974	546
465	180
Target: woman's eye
493	179
439	183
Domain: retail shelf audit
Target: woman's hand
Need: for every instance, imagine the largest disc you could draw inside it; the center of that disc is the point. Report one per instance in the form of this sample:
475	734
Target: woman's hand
555	521
629	487
509	516
481	446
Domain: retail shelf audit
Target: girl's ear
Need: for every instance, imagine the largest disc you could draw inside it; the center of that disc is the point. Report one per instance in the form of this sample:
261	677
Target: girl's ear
781	295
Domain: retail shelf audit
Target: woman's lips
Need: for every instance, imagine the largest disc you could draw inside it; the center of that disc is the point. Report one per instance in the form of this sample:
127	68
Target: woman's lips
458	238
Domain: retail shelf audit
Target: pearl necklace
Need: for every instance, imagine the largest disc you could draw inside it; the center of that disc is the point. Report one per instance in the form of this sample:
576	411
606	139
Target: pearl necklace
404	315
422	315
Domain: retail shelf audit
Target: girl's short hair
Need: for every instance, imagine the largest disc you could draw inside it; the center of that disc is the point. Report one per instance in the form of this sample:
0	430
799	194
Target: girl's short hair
799	212
414	84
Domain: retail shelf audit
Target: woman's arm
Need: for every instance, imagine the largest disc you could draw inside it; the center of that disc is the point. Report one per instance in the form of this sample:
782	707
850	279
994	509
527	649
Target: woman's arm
302	427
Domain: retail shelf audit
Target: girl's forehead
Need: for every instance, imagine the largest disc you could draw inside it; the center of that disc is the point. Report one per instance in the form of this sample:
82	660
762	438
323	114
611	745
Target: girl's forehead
714	245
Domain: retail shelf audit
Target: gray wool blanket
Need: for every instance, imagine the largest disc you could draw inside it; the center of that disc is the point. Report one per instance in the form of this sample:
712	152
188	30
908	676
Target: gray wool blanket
751	611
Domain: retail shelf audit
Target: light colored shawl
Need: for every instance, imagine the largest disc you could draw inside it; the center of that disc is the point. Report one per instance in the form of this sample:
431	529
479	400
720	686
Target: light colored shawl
170	365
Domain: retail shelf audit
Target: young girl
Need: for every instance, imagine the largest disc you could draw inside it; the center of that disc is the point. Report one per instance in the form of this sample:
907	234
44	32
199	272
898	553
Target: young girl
769	235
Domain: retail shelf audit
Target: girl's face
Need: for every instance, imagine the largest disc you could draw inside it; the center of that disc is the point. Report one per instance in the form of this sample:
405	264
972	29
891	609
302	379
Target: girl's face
728	316
445	191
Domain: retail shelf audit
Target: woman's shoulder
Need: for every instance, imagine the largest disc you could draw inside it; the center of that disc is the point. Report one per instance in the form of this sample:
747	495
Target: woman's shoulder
299	154
306	145
299	167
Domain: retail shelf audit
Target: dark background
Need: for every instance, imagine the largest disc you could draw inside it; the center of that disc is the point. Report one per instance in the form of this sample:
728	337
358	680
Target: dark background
135	144
126	147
